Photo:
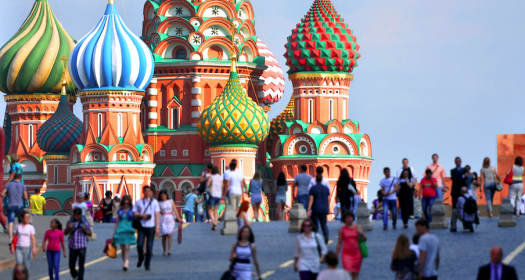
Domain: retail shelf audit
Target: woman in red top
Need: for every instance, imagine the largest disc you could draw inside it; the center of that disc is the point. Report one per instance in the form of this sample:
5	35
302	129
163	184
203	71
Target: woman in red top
349	236
54	239
428	192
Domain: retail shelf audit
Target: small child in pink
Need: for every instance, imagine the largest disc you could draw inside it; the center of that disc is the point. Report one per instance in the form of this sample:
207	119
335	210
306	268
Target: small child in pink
55	239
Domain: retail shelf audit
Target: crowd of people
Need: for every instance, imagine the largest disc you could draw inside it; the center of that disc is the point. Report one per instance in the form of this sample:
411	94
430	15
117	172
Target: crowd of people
140	222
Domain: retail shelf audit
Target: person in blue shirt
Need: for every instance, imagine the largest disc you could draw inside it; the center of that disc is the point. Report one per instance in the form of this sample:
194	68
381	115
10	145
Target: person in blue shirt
191	200
318	203
16	167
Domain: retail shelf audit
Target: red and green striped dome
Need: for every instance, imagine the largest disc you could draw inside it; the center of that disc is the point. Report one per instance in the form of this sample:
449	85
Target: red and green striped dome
322	42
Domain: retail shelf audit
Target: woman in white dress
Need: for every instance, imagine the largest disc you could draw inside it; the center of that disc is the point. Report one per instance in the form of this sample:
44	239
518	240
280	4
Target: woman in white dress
167	220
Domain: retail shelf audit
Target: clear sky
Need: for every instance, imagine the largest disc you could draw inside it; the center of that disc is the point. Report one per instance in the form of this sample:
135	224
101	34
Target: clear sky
435	76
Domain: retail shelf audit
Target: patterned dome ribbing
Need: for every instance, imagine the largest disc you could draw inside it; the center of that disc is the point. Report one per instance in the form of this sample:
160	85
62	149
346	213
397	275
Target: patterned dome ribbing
111	57
277	124
273	76
30	60
62	130
233	117
322	42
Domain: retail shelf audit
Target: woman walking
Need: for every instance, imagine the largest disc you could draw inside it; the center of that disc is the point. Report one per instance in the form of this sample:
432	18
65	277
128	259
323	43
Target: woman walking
488	176
242	251
516	188
55	239
20	272
406	187
25	233
124	233
167	220
255	193
404	260
281	186
348	245
242	215
474	185
215	181
307	255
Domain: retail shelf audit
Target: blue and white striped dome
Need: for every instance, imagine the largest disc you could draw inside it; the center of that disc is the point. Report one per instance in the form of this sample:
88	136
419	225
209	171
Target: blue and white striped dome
111	57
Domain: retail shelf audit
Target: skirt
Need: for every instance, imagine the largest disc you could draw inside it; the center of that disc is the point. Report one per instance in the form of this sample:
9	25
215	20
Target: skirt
256	198
125	238
167	224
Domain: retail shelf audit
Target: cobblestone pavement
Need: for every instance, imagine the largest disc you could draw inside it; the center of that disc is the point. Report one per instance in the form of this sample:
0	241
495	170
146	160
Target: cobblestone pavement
203	253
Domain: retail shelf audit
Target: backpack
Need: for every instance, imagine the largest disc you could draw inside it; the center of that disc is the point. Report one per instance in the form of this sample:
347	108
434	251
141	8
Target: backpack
470	207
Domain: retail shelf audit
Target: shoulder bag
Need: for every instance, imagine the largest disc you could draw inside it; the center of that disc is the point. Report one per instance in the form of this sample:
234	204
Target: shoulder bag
508	178
363	248
136	221
318	244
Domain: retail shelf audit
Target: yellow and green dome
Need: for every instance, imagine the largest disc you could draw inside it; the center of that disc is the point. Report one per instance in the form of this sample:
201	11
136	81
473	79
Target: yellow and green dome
278	123
30	60
233	117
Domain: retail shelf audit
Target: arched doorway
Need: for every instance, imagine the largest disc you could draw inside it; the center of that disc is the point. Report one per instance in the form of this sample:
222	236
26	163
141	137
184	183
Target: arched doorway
169	186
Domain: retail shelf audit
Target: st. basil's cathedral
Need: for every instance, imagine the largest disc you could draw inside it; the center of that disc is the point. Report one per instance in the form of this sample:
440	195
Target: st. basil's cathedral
194	88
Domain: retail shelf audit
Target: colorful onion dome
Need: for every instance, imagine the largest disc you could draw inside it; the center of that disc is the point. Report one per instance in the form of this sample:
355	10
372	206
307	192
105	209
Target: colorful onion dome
63	130
111	57
273	76
277	124
233	117
30	60
322	42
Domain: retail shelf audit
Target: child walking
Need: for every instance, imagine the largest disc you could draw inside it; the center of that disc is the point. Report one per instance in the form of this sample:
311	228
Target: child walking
55	240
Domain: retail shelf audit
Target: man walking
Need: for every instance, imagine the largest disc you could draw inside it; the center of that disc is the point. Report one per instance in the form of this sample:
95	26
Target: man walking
16	192
235	184
428	252
37	203
147	210
389	189
438	172
458	176
78	238
318	203
496	270
411	171
302	180
465	211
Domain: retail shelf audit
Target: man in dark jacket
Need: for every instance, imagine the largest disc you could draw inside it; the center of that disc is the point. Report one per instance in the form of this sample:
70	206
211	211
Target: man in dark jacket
458	176
495	270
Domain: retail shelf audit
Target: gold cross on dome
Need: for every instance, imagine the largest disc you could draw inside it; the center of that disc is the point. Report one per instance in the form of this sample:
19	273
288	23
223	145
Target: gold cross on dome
64	63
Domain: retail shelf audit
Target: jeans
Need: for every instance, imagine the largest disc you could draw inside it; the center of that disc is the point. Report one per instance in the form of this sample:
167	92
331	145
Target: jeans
303	199
107	219
489	195
199	218
23	256
53	263
515	193
427	207
207	198
439	192
307	275
389	204
189	216
320	218
14	211
75	254
148	233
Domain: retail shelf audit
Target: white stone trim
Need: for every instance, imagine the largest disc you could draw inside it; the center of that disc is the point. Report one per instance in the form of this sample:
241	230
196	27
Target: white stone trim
167	180
337	139
194	124
195	114
152	103
292	145
34	121
102	165
196	102
111	110
152	91
152	125
196	90
321	95
243	81
196	79
152	115
153	81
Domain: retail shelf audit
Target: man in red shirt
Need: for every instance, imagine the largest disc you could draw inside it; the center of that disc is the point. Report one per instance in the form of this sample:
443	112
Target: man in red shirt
438	172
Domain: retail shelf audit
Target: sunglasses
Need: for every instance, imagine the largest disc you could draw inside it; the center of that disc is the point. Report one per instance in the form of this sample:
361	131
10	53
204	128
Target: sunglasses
21	271
307	225
125	203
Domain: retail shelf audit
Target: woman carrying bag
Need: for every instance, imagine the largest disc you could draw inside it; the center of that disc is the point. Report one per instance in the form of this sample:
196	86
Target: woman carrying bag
351	245
124	233
515	177
310	250
489	176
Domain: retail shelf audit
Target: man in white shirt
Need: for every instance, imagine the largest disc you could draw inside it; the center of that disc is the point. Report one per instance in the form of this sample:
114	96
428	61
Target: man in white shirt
412	171
235	184
428	252
324	182
459	213
389	189
147	210
438	172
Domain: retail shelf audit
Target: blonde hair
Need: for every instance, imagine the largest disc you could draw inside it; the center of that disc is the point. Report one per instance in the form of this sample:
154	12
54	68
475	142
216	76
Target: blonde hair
486	162
402	248
257	175
15	158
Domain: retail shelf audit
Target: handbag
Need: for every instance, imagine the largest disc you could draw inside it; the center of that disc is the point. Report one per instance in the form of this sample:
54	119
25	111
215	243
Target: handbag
110	250
318	245
508	178
136	224
499	186
363	248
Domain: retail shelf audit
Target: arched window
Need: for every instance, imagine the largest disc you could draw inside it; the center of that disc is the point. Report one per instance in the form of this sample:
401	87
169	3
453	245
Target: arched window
86	121
99	125
215	52
16	133
344	109
180	53
174	118
330	109
223	166
135	123
241	165
55	175
310	110
30	135
119	125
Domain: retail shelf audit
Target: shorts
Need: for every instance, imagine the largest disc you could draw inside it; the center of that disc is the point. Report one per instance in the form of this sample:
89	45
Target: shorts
280	198
214	201
14	211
